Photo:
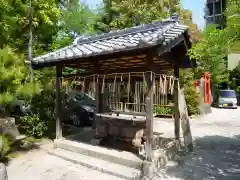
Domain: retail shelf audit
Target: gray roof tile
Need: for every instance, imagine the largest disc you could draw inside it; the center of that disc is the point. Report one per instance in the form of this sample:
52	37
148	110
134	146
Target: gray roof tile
156	33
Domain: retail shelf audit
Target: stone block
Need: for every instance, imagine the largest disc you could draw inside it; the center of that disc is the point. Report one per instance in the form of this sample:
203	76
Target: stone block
3	172
95	141
8	127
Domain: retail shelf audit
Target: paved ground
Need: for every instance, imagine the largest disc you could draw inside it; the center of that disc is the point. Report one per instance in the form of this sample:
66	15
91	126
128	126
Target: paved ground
216	155
217	152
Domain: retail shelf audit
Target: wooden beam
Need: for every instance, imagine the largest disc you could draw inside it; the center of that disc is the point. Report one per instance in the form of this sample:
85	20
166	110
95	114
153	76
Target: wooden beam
176	107
58	103
156	69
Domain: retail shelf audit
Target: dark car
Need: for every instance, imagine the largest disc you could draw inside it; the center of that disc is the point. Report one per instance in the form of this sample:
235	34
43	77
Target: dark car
19	107
79	108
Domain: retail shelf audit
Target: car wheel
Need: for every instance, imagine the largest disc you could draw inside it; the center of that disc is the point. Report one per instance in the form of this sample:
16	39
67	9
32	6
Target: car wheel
74	118
17	111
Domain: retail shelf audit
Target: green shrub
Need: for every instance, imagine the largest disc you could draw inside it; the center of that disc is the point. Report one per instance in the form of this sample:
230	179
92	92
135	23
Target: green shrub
42	123
5	148
187	78
160	110
192	100
33	125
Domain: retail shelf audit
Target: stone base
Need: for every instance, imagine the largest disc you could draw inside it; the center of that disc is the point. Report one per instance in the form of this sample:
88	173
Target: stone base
96	141
3	172
8	127
148	169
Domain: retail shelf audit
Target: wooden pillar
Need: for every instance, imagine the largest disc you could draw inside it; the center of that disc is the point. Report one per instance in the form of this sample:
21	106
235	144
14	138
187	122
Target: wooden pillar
176	107
149	107
97	93
58	103
149	115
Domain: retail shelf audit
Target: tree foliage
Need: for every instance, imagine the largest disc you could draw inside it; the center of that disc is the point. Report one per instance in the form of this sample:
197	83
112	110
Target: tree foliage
211	52
14	23
128	13
186	16
77	19
14	77
234	77
233	24
213	49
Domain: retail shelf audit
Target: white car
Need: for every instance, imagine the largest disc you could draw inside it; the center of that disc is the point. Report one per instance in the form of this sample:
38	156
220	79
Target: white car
226	99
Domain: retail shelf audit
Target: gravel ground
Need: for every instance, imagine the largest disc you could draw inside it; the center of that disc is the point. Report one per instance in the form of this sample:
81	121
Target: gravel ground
216	155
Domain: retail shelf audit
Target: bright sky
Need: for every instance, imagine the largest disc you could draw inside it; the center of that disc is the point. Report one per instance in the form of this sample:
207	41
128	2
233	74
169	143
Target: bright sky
196	6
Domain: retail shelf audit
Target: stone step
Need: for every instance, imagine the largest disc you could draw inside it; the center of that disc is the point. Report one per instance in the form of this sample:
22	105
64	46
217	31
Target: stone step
111	155
107	167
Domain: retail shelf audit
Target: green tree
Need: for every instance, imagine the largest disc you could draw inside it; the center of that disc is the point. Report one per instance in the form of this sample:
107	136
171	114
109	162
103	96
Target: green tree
211	52
77	19
233	24
186	16
128	13
14	23
234	77
14	77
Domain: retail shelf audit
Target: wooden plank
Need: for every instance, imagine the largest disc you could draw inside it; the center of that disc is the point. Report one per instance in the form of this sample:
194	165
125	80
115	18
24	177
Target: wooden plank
58	103
176	109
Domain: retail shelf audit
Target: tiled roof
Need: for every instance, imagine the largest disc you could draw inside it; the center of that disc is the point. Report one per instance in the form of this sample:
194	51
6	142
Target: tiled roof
156	33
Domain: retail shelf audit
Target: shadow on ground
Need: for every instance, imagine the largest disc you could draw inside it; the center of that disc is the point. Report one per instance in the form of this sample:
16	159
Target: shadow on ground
214	158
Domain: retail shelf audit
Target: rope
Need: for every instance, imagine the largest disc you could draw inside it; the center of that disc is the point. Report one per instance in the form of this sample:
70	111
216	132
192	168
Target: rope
165	85
83	86
94	84
103	85
97	78
172	88
92	75
144	83
129	79
154	84
114	83
160	84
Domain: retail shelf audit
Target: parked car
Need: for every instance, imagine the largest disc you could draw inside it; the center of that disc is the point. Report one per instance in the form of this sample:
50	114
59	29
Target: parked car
19	107
226	99
79	108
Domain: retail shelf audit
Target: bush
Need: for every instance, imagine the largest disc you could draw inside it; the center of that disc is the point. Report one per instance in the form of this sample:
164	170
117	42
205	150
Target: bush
161	110
33	125
41	121
191	96
5	148
192	100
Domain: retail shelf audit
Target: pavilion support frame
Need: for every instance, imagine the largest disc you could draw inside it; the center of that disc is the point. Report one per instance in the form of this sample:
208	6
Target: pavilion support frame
58	102
149	116
97	93
176	103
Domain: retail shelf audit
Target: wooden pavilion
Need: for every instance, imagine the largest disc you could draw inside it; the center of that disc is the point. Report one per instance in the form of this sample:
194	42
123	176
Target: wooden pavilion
151	48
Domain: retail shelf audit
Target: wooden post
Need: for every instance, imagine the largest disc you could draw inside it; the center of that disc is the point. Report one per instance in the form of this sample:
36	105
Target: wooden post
97	102
149	116
97	93
176	107
58	103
